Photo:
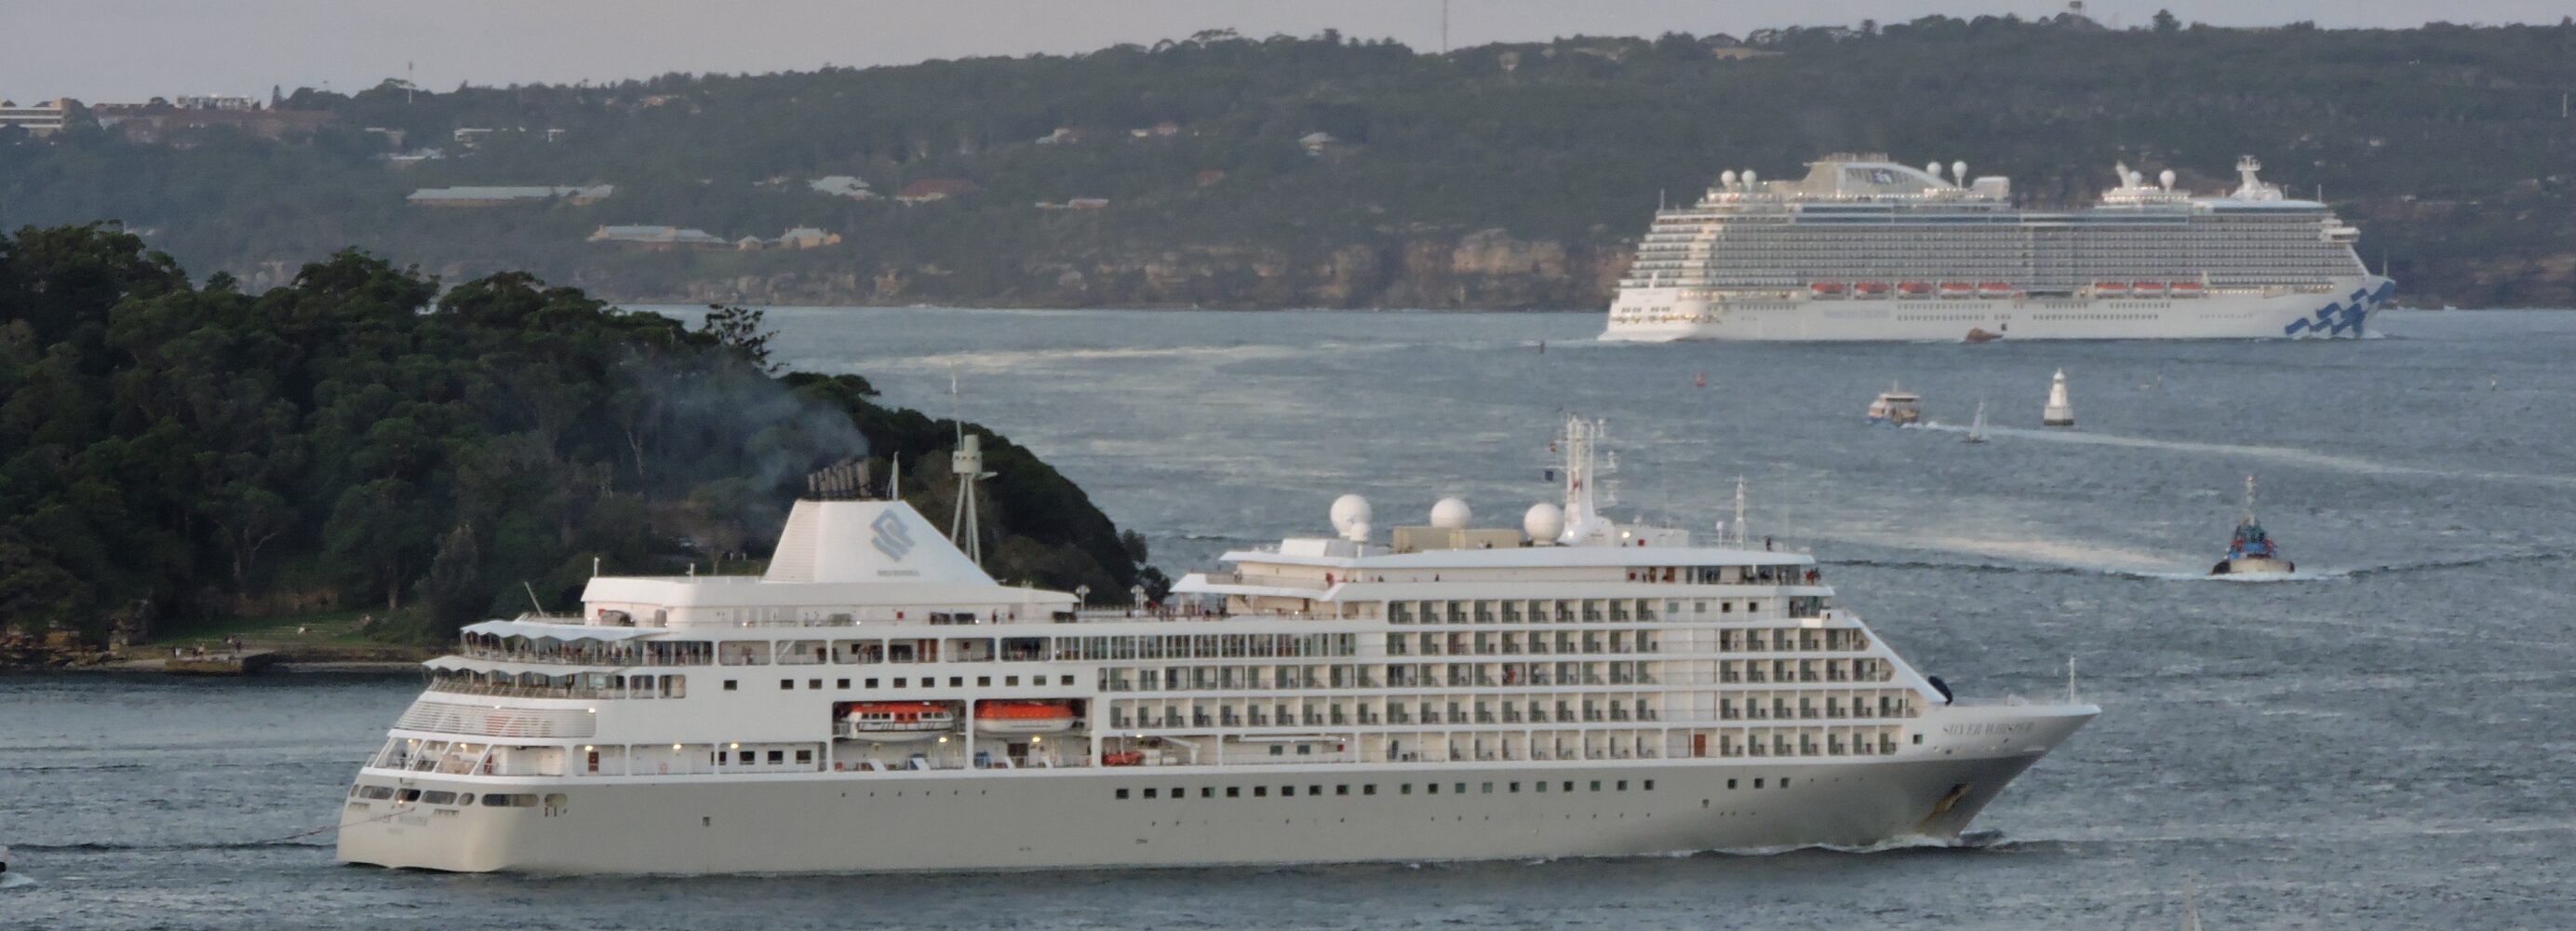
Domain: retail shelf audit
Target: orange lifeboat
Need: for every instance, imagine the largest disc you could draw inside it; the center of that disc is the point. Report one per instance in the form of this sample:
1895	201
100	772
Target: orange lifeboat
1826	289
1023	717
2111	288
1123	758
1914	289
1870	288
1957	289
2146	287
1995	289
896	721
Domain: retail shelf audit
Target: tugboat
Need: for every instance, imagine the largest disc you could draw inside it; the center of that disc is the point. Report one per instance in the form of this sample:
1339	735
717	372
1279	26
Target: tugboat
2060	412
2251	551
1896	407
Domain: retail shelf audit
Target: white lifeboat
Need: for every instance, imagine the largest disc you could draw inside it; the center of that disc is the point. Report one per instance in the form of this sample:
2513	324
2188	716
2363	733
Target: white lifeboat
896	721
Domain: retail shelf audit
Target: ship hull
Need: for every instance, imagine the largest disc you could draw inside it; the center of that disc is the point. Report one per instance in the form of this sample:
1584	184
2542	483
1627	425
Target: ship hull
2342	312
1055	819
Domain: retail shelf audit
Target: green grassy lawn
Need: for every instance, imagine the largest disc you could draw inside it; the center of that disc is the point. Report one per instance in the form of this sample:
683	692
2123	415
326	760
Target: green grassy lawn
319	629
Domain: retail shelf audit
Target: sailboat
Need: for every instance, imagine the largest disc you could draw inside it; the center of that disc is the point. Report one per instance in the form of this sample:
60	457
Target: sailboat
2060	412
1976	426
2251	551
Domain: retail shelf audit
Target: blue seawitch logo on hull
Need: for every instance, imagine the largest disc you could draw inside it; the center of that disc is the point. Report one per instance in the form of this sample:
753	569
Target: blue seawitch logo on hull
891	539
2341	317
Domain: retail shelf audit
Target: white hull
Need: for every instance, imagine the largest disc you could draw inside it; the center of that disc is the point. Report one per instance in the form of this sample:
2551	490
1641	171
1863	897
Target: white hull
2340	312
1037	819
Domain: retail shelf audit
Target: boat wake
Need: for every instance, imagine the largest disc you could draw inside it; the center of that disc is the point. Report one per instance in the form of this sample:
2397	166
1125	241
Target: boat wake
125	848
2159	575
1971	840
2282	454
18	881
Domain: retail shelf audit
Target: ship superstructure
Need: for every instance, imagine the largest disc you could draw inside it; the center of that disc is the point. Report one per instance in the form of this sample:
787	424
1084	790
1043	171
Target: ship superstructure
1864	248
876	702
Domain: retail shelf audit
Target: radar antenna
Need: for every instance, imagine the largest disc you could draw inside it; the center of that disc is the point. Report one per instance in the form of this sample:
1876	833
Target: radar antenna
968	464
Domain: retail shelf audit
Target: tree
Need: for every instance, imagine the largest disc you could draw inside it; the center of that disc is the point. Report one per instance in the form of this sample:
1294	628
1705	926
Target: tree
2165	22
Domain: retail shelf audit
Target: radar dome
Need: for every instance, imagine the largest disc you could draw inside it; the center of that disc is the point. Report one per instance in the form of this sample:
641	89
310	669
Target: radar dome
1959	172
1726	177
1933	169
1748	177
1544	522
1350	511
2167	177
1451	514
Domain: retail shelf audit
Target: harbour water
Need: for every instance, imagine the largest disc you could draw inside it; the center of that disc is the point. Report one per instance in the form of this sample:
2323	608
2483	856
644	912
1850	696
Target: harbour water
2380	743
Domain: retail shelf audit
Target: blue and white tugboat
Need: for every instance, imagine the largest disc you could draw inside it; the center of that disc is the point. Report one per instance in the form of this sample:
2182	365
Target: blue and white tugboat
2251	551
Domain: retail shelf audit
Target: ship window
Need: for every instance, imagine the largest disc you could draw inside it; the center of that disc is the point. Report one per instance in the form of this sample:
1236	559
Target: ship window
1918	739
1287	791
1305	750
1277	750
956	682
778	756
1010	680
376	793
1431	787
1234	791
1596	785
787	683
818	683
804	756
1623	785
1207	791
1406	789
1260	791
843	684
1488	788
1569	785
409	795
1757	783
1368	789
871	683
1342	790
1650	785
728	685
901	682
1122	793
983	681
1730	783
1149	793
1784	782
1068	680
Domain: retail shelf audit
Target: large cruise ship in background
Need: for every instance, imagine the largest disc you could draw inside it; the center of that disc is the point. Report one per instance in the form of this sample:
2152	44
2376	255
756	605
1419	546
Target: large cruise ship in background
876	702
1864	248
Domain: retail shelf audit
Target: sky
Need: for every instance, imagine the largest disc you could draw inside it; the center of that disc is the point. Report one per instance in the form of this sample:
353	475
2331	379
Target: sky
103	51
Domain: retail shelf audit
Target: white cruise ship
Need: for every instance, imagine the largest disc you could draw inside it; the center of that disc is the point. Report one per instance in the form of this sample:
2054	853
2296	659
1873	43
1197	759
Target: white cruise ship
1863	248
876	702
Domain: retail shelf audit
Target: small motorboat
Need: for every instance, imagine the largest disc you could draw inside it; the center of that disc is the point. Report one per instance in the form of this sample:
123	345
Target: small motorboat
1896	407
1976	426
2251	551
1023	717
1981	335
2059	412
896	721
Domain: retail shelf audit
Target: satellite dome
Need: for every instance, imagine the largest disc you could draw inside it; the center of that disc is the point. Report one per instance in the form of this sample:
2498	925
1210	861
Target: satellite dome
1747	176
1933	169
1451	514
1959	172
1726	177
1544	522
1350	511
2167	177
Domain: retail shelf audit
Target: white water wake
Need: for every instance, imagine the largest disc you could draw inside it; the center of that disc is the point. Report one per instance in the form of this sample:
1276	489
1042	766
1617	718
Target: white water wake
2283	454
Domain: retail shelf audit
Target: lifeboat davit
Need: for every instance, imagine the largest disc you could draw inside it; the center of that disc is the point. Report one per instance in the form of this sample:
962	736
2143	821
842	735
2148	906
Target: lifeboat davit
1957	289
1023	717
1914	289
896	721
2185	289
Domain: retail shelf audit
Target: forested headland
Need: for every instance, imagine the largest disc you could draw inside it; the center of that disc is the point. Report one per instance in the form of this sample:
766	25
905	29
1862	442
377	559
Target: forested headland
1233	171
174	451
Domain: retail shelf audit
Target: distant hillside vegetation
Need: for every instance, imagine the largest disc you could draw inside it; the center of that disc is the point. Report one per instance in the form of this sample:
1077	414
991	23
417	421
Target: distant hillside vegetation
1226	171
